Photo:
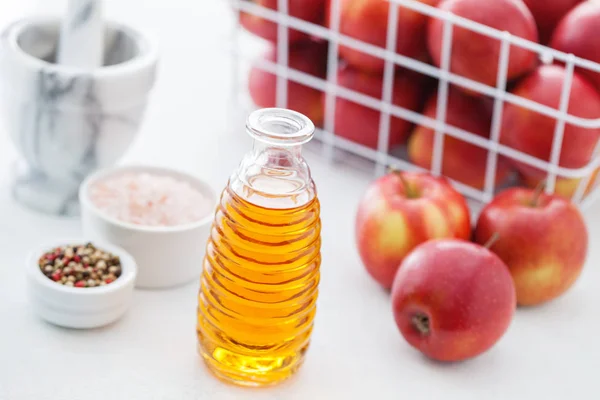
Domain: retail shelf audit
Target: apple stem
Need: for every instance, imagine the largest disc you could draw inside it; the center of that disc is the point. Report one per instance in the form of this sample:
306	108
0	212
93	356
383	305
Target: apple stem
421	324
491	241
392	170
408	191
407	188
537	193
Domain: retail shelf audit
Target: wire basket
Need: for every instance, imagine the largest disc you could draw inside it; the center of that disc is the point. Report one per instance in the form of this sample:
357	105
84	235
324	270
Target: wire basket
381	158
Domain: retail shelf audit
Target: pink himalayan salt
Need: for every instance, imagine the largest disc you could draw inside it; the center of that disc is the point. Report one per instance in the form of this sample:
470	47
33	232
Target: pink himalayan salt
150	200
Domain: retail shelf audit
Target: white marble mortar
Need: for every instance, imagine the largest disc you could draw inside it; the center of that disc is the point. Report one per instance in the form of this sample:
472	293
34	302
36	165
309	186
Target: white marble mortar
66	121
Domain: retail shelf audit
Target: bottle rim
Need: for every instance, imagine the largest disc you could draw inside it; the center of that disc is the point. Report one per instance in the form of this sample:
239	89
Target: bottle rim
280	126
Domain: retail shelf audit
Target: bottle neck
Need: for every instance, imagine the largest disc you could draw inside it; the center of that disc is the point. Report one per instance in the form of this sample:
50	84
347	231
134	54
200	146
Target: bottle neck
274	174
277	153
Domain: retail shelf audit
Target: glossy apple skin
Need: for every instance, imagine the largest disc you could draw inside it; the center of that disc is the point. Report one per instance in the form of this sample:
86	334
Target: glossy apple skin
533	133
476	56
308	10
309	57
389	225
367	20
461	161
548	13
544	246
360	124
465	292
578	33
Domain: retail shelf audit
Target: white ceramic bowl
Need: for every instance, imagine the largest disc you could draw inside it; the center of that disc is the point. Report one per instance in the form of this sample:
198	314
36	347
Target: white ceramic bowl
166	256
80	308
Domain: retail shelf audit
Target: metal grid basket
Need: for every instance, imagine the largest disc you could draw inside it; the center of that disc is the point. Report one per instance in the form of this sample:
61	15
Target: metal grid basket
381	158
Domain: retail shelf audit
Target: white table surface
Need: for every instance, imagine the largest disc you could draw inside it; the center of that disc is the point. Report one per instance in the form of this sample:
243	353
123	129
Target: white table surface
550	352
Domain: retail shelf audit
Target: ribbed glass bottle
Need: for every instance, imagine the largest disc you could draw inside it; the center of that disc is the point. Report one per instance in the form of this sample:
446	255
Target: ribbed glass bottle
258	292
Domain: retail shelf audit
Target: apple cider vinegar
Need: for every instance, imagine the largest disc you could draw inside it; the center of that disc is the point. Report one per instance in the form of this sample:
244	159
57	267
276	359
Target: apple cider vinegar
259	286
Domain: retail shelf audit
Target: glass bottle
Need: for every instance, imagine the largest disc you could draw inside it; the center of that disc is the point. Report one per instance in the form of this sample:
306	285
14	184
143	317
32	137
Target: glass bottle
259	286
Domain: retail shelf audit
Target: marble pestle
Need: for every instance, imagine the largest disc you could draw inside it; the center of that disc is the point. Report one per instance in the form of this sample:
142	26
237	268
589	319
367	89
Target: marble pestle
81	41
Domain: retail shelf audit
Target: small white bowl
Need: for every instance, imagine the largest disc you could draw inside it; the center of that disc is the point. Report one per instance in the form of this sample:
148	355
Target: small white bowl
166	256
80	308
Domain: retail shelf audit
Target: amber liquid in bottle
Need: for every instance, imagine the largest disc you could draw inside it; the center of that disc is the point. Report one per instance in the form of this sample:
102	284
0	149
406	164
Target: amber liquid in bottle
259	286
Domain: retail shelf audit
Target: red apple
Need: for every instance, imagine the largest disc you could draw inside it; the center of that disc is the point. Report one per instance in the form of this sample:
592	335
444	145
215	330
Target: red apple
367	21
476	56
360	124
453	300
307	10
309	57
461	161
401	210
533	133
577	33
547	13
542	239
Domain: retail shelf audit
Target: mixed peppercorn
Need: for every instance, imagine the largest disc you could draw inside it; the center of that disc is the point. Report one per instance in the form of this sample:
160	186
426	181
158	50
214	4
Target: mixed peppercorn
80	266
